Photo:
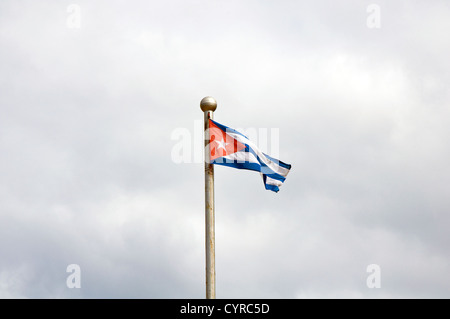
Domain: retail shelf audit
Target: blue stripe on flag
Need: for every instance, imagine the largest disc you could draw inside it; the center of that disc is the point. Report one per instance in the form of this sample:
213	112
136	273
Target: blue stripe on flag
277	161
272	188
238	164
227	129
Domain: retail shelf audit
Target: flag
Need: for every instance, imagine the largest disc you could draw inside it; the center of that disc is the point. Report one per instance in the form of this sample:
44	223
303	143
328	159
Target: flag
230	148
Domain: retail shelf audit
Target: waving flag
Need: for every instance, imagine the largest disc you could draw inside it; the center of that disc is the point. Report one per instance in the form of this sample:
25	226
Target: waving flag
228	147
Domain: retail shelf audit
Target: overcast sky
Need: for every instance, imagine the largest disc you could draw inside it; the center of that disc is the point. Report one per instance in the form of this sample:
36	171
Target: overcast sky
91	98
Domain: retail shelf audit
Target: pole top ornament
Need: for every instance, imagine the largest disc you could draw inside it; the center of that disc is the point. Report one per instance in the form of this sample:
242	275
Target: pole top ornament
208	104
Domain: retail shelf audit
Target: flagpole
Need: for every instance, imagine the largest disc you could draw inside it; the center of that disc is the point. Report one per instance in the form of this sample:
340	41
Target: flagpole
208	106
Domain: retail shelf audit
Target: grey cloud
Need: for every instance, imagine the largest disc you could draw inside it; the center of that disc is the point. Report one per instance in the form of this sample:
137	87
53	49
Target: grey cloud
86	118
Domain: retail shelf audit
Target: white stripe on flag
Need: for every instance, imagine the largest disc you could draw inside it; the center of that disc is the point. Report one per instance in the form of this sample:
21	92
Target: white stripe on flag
242	157
273	166
272	181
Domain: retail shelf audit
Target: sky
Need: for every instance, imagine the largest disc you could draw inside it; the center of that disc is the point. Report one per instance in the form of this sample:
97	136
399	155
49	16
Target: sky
96	98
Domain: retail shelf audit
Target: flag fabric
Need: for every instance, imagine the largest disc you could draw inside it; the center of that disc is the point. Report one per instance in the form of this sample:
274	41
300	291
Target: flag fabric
230	148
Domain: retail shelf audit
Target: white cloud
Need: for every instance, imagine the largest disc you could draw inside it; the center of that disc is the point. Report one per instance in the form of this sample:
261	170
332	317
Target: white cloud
86	117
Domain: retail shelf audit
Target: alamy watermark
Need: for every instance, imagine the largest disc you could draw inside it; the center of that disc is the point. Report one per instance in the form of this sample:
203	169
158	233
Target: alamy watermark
74	16
74	279
373	20
374	279
190	146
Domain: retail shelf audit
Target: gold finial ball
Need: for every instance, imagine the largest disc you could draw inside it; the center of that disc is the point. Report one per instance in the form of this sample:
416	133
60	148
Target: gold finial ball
208	104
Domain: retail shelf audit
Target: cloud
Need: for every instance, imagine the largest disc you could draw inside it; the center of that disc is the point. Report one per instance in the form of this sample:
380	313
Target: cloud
86	123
